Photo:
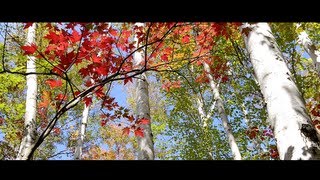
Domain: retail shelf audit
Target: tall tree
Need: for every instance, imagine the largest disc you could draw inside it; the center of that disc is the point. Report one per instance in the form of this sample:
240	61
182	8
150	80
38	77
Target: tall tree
293	129
145	142
30	133
217	97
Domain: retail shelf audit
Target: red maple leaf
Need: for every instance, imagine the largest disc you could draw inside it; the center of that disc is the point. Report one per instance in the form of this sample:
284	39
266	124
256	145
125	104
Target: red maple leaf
56	131
53	37
176	84
87	101
144	121
164	57
186	39
75	36
27	25
139	132
29	49
103	122
1	121
102	70
113	32
130	118
127	79
315	122
54	83
95	58
76	93
126	131
60	97
166	86
99	93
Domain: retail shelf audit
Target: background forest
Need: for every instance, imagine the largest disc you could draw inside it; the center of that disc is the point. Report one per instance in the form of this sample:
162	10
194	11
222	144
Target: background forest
163	91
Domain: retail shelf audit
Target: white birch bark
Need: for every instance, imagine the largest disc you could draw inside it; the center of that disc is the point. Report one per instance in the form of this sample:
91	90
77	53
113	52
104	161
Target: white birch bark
29	135
232	142
296	137
84	122
145	143
310	48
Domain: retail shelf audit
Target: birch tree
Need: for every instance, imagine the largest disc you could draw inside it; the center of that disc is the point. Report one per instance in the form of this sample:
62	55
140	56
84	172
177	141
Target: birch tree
29	136
293	130
217	97
145	143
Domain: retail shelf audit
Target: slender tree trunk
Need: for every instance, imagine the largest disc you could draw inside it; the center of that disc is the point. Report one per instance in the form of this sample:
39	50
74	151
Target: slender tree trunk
295	135
145	143
30	133
232	142
202	113
205	116
311	49
85	114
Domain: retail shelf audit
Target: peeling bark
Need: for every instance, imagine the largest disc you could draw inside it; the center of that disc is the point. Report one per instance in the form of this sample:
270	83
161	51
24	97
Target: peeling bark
286	109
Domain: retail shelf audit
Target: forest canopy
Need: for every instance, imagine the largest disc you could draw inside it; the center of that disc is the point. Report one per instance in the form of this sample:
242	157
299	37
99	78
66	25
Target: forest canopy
159	91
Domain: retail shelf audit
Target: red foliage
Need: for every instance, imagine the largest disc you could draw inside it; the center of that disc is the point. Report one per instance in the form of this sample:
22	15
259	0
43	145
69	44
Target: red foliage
103	122
54	83
87	101
29	49
186	38
143	121
61	97
127	79
126	131
169	85
56	131
27	25
315	122
99	51
274	152
130	118
139	132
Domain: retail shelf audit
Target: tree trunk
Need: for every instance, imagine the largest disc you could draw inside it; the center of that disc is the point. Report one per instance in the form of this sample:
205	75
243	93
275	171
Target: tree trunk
30	133
311	49
145	143
294	132
85	114
216	95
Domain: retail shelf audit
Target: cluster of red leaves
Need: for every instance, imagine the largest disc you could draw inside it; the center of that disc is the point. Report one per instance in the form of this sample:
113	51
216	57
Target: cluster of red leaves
29	49
136	128
274	152
256	133
56	131
117	112
171	85
316	123
100	50
252	132
314	109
